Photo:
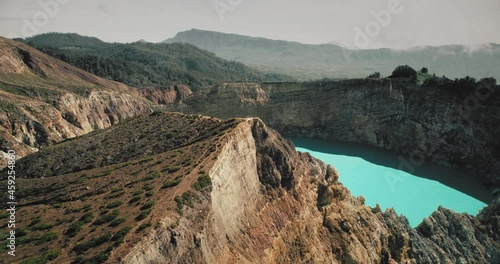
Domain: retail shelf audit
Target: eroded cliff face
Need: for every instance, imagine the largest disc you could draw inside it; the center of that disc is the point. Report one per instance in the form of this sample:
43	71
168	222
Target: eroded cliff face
38	124
448	128
44	100
270	204
167	95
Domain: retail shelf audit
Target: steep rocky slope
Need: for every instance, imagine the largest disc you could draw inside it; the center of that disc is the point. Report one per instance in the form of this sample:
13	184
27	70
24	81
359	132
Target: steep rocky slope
44	100
422	123
263	202
167	95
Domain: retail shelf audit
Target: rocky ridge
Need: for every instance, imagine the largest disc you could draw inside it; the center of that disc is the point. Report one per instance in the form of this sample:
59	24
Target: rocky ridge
266	203
270	204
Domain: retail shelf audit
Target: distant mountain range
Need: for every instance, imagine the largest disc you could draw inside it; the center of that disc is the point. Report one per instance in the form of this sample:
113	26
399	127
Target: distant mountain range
307	61
143	64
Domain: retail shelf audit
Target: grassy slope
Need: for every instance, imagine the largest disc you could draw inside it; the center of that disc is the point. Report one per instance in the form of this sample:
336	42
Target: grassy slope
28	74
89	214
31	86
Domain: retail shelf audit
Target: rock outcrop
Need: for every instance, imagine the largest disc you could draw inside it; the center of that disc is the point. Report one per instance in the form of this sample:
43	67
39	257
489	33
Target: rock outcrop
264	202
446	127
273	216
166	95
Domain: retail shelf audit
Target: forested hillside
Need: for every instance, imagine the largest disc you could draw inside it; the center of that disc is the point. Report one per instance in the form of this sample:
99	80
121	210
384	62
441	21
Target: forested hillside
147	64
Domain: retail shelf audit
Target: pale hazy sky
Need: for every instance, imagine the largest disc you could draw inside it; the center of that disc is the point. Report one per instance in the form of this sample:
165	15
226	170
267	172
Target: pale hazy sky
419	22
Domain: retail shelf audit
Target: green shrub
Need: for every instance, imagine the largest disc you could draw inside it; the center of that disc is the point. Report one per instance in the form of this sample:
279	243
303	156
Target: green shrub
97	259
114	204
74	229
174	169
49	236
117	221
35	260
143	226
87	217
28	239
143	215
144	160
103	173
70	210
52	254
116	189
120	235
92	243
202	182
114	195
186	162
185	199
375	75
179	211
404	71
147	205
106	218
35	221
152	175
135	198
179	201
42	226
149	193
172	183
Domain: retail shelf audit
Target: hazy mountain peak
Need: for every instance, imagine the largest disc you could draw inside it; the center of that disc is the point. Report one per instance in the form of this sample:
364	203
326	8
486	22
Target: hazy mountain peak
337	60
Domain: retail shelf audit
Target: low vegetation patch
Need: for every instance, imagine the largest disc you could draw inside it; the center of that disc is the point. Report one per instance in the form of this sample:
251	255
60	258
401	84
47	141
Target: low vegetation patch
45	258
117	221
147	205
135	198
74	229
171	183
114	204
202	182
151	176
174	169
106	218
114	195
92	243
186	198
143	215
143	226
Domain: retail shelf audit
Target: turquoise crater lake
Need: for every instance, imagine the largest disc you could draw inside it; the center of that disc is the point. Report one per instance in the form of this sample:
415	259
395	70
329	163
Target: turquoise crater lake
374	174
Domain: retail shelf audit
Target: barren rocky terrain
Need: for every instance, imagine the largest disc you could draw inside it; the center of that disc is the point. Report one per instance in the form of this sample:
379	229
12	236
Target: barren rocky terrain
219	192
